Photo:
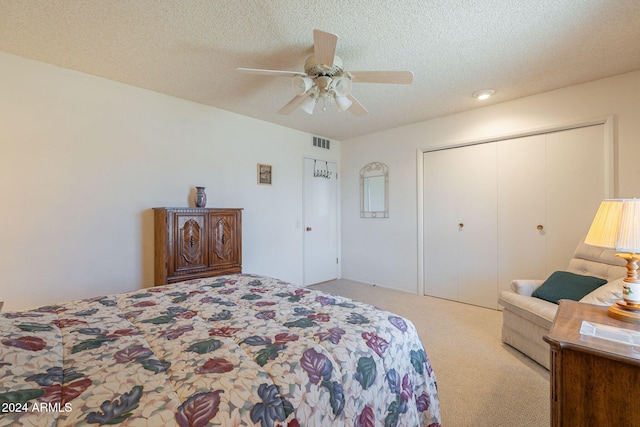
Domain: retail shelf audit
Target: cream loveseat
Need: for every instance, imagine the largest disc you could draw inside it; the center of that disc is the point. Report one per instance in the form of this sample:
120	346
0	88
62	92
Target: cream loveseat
526	319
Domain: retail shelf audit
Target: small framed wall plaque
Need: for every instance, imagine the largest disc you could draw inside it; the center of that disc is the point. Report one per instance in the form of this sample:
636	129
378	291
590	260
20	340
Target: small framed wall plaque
264	174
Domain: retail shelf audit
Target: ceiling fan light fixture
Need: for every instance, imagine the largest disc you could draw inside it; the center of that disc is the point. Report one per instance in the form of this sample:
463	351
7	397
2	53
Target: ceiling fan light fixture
302	84
324	84
483	94
343	103
342	86
308	104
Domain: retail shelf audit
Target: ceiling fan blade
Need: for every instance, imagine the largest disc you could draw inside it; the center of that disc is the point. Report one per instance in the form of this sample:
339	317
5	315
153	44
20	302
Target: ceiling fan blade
291	106
324	47
356	107
394	77
271	72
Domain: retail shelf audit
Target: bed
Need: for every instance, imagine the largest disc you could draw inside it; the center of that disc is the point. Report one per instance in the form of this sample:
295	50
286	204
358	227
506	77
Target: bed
225	351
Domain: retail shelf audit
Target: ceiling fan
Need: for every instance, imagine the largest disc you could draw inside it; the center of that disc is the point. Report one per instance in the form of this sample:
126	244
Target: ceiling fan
325	78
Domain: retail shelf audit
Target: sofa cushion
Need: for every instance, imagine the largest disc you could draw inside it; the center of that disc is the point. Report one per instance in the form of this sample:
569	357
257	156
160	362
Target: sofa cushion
591	268
534	310
606	294
525	287
566	285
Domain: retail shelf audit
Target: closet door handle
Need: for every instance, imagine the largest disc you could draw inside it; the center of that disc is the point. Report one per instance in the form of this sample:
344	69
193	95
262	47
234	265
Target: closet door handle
540	227
308	228
461	225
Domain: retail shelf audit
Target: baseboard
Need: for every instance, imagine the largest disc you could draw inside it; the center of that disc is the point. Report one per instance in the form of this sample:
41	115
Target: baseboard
380	285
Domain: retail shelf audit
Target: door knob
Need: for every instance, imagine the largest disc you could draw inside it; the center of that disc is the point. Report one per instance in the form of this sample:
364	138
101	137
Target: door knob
540	227
461	225
308	228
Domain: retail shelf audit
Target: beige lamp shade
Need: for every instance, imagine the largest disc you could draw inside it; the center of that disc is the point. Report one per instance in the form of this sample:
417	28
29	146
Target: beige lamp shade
616	226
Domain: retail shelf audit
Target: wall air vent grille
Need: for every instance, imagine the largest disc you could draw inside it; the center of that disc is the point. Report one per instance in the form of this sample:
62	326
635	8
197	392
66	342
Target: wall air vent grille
321	142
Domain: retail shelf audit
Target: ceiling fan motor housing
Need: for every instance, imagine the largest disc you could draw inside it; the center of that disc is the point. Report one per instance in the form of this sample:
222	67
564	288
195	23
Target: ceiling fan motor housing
314	69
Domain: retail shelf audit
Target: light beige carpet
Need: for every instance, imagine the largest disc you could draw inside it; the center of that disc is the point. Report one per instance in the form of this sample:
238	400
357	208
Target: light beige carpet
481	381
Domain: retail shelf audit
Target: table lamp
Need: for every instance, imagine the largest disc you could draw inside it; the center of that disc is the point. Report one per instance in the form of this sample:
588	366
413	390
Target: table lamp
617	226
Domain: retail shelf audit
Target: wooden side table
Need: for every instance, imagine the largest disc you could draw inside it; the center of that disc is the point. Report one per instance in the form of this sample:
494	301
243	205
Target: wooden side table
594	382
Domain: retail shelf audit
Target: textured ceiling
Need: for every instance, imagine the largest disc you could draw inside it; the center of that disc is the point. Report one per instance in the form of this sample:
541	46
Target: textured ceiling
191	49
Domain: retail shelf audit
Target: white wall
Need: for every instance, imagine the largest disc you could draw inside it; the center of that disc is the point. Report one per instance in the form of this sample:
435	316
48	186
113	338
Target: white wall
83	160
384	251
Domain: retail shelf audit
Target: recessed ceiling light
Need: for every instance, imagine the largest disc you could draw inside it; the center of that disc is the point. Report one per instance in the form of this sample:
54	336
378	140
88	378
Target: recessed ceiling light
483	94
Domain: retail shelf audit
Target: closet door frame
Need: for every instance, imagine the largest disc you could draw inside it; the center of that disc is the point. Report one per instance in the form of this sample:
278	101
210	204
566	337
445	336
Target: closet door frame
610	181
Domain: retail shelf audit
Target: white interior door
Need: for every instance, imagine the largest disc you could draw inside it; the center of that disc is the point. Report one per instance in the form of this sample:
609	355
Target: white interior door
320	222
575	188
460	249
477	238
440	224
522	223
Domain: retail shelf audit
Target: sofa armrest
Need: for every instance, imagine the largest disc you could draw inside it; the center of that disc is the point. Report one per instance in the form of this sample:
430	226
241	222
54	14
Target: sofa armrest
525	286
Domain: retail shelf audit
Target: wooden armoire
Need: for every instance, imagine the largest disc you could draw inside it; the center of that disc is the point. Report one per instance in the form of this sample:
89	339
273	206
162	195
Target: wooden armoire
192	243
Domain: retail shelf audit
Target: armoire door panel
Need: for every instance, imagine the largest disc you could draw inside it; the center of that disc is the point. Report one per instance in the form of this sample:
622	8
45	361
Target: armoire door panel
191	247
522	224
224	253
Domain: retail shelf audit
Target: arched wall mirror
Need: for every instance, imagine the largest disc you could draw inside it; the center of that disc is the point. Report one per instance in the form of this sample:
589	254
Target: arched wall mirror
374	191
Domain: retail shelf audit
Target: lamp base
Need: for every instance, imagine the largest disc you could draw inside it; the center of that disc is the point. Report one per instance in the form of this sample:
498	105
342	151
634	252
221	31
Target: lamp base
620	312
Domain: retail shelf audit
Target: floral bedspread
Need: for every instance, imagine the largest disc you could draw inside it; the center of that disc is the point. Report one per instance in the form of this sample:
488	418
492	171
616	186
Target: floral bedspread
224	351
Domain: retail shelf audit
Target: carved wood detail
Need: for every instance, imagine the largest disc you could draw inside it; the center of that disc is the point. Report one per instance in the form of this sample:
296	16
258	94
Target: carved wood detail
191	245
223	241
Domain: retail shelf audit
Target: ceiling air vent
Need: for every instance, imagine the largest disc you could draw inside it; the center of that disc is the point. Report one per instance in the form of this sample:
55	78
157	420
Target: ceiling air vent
321	142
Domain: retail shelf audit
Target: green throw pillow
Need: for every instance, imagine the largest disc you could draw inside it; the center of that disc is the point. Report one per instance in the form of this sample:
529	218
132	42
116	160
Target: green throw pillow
565	285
